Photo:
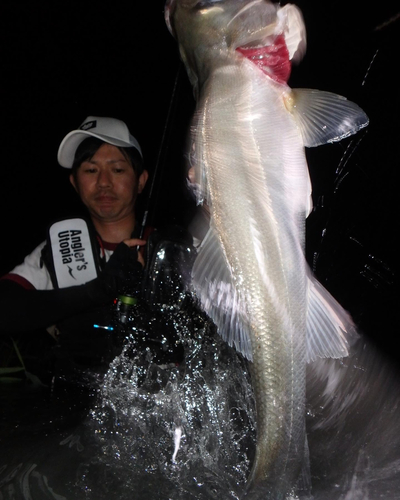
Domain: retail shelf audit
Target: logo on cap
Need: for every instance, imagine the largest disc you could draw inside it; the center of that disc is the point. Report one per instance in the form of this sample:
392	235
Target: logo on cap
89	125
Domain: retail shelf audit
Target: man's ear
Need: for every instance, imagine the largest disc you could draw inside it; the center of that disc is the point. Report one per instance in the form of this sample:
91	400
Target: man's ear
72	181
142	180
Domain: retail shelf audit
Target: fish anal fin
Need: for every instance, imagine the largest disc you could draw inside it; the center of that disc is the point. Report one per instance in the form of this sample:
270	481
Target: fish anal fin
324	117
213	284
330	329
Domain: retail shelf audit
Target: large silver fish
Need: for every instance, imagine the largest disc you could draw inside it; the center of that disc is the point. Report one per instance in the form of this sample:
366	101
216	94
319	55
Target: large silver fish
247	148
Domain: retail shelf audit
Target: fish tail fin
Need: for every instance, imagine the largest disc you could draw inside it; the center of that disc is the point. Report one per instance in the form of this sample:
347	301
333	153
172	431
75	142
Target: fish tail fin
330	329
324	117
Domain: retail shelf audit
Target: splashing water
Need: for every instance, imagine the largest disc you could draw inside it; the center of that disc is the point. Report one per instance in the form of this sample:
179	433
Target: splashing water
188	431
184	431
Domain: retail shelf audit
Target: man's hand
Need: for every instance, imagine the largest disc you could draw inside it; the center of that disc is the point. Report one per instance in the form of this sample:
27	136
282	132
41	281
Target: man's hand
135	242
123	273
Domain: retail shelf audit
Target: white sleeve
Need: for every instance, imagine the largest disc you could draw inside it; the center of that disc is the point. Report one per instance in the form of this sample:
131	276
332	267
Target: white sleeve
34	271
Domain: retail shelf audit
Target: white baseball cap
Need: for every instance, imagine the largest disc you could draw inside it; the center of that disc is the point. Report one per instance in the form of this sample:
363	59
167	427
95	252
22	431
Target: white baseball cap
109	130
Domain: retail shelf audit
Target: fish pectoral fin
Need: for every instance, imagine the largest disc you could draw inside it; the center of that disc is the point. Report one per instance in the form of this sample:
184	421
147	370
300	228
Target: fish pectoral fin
324	117
219	298
330	329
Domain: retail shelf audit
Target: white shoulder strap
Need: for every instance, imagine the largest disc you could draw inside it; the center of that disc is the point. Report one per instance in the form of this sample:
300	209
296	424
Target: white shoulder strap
73	256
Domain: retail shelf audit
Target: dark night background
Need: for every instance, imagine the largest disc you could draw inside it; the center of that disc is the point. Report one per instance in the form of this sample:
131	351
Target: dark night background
64	61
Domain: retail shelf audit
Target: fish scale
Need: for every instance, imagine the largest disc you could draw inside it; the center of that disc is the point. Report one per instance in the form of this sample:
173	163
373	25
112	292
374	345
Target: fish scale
247	145
270	373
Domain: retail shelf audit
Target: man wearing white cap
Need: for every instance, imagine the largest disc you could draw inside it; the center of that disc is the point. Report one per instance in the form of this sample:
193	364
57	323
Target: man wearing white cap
83	265
111	176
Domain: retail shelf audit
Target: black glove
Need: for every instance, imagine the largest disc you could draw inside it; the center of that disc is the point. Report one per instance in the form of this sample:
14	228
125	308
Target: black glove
123	273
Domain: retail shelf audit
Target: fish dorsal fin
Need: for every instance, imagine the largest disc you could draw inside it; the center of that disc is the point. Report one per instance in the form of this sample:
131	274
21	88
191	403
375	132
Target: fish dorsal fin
324	117
330	329
213	284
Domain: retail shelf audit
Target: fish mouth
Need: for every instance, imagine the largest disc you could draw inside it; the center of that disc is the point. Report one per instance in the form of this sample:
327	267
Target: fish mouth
262	45
272	59
257	20
244	9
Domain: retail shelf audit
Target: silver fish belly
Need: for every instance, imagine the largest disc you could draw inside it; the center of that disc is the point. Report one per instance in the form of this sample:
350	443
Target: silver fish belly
250	275
259	224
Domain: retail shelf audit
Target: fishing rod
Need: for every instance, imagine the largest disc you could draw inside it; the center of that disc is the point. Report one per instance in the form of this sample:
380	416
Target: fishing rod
162	153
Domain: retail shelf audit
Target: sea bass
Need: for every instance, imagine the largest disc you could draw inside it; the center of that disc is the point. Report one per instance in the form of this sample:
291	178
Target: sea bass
247	147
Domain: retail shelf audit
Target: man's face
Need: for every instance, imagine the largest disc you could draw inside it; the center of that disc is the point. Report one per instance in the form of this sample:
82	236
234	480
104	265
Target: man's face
108	185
